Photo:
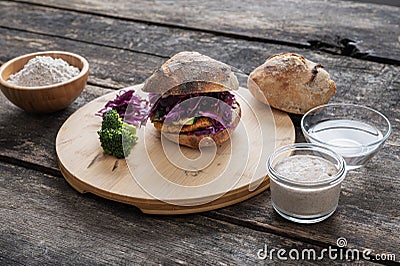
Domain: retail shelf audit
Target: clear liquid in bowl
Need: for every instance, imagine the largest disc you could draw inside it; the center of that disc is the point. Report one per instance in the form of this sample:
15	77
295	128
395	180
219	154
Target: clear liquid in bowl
349	138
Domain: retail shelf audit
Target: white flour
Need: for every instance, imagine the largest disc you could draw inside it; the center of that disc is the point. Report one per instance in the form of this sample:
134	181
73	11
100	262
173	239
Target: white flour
42	71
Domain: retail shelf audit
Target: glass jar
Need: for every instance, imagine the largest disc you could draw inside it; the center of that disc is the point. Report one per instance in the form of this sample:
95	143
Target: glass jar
305	181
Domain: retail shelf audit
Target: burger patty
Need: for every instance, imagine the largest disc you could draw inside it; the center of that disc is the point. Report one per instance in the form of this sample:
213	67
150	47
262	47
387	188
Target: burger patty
202	122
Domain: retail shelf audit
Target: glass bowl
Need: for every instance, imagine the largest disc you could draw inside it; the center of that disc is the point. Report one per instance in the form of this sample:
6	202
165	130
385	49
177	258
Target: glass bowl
305	181
356	132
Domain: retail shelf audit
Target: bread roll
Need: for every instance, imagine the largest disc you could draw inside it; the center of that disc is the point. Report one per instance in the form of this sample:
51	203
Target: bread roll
191	72
291	83
185	76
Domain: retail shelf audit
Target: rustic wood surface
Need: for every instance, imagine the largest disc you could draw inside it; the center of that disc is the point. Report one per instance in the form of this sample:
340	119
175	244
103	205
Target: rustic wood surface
356	29
44	220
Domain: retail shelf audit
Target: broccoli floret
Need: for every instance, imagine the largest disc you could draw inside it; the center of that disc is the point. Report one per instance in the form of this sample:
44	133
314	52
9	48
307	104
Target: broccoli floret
111	120
116	136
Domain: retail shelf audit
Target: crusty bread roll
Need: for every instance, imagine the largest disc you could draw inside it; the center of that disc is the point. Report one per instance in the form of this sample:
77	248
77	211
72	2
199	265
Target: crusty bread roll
193	141
191	72
291	83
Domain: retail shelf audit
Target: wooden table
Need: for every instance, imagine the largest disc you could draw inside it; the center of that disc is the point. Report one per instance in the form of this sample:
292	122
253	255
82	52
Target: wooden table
44	221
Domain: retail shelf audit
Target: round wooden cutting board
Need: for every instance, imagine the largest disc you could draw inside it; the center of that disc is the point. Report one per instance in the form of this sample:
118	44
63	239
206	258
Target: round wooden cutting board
161	177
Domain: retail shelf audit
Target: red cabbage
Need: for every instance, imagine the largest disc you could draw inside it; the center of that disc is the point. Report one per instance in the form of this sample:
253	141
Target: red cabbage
132	108
208	130
170	107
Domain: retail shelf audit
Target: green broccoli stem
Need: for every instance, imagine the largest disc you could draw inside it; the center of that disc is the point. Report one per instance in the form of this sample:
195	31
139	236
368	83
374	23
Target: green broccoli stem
116	137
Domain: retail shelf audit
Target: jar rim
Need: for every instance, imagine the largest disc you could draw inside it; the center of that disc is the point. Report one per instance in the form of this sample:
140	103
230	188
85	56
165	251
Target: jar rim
334	179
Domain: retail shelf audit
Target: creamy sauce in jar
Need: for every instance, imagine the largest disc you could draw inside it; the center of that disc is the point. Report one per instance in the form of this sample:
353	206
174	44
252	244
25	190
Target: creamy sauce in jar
305	197
306	168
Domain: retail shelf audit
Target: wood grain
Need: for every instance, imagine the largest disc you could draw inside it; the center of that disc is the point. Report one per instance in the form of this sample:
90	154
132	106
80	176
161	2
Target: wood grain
239	54
132	36
123	52
364	206
36	147
45	222
102	71
341	27
357	81
136	38
154	183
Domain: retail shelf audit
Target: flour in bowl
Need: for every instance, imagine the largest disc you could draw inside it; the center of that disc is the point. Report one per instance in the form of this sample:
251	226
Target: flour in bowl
43	71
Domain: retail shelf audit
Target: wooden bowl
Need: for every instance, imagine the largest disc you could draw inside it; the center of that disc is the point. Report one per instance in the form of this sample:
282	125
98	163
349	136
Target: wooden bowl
44	99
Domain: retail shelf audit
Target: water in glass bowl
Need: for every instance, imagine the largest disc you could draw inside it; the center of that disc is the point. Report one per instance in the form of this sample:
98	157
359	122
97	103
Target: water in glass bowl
352	139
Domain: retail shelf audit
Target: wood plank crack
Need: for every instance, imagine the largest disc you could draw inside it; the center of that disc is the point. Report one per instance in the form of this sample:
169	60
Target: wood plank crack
343	46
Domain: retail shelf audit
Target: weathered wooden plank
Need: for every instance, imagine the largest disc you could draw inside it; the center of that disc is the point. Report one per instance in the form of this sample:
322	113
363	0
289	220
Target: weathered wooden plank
106	64
165	42
39	146
364	215
45	222
338	26
357	82
142	38
379	2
